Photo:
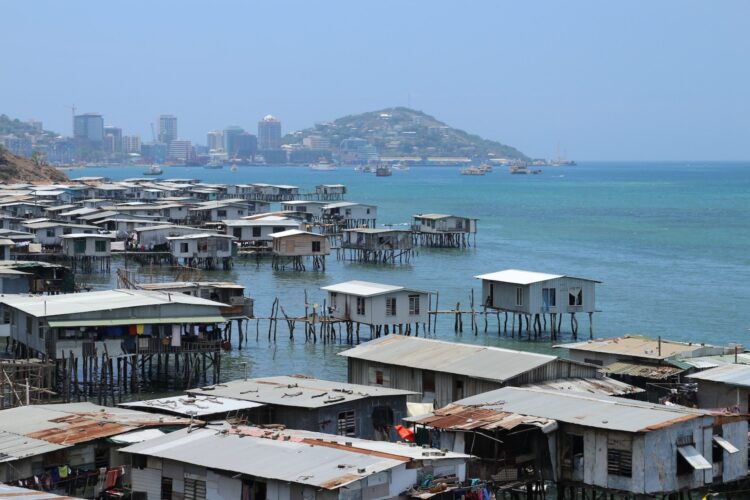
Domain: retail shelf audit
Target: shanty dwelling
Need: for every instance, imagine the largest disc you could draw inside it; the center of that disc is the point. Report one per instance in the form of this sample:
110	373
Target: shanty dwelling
17	236
533	296
582	442
157	237
382	307
274	192
313	209
226	461
656	365
257	232
300	402
24	209
108	191
342	215
72	216
44	277
121	328
726	386
176	213
213	211
441	372
293	246
86	250
441	230
330	192
376	245
50	233
62	448
203	250
124	227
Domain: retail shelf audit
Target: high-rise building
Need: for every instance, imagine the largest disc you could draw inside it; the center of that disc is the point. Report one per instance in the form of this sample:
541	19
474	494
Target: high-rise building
316	142
113	139
167	130
215	141
180	150
247	145
131	144
88	128
269	133
231	140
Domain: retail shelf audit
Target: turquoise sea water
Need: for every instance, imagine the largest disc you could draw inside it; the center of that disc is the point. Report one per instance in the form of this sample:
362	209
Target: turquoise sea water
669	241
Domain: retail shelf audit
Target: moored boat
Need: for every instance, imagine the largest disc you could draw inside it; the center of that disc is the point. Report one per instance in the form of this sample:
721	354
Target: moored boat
154	170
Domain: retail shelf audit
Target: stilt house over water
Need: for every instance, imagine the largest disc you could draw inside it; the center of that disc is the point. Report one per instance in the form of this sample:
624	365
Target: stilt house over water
442	372
615	446
373	245
377	305
441	230
291	247
532	295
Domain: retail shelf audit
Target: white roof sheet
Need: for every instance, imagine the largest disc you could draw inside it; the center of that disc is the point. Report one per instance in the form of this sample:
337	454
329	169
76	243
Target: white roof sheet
299	392
518	277
736	375
601	412
197	405
75	303
362	288
294	232
308	458
477	361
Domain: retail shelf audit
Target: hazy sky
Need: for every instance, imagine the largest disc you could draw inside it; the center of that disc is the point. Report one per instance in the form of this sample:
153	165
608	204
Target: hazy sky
605	80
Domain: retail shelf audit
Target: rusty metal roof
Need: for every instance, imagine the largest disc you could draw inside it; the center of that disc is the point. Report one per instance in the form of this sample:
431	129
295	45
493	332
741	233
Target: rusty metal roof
657	372
461	417
66	425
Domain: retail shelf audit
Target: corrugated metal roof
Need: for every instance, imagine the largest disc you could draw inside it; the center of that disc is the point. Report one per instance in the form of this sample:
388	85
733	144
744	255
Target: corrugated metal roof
164	320
704	362
602	412
294	232
74	303
604	386
637	346
460	417
518	277
299	392
642	370
362	288
489	363
196	405
308	458
736	375
37	429
200	236
15	492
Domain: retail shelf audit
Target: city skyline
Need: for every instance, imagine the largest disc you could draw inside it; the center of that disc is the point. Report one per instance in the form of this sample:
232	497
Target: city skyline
602	81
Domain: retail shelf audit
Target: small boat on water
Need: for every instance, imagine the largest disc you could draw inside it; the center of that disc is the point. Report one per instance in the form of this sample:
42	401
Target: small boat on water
234	168
485	167
472	171
383	171
154	170
365	169
402	167
523	169
214	164
323	165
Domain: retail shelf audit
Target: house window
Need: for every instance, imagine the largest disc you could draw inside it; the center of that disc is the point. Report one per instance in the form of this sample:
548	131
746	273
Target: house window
79	246
413	304
222	213
458	390
195	489
277	229
183	248
256	232
379	377
316	246
100	246
549	297
166	488
333	300
240	212
50	233
390	306
360	306
346	424
519	296
620	462
575	296
428	381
